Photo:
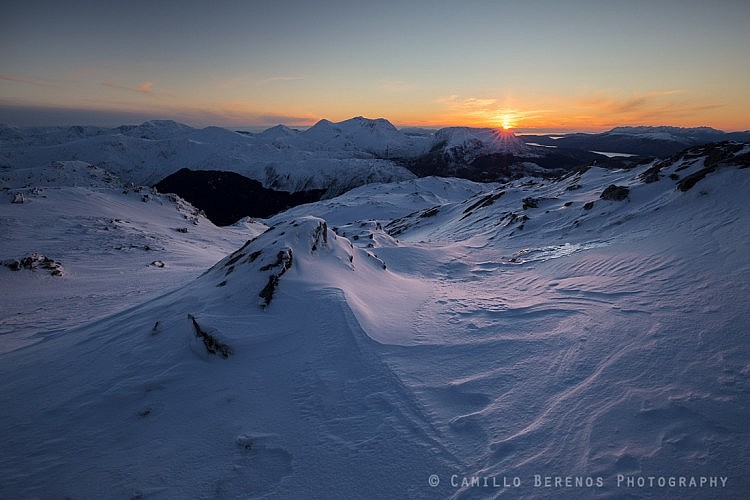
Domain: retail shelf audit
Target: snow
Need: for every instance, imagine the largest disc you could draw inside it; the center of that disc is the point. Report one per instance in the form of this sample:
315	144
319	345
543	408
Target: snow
106	236
343	156
664	133
336	156
493	339
480	141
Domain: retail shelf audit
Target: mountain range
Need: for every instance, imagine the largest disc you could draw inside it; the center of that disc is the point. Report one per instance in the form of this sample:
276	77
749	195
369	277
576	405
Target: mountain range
337	156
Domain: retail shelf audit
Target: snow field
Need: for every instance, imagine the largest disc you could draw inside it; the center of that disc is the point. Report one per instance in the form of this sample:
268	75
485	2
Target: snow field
506	337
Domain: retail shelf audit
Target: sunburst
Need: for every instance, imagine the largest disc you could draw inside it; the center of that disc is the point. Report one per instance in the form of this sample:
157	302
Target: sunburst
507	121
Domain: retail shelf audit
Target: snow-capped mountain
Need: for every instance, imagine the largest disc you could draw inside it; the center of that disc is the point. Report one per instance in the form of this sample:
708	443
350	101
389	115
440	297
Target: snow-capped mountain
331	156
347	156
644	141
432	338
687	136
327	159
378	137
469	143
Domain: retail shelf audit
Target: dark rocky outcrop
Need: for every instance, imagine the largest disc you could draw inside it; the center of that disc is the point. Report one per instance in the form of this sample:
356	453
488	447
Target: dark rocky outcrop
35	261
714	155
280	266
213	346
615	193
226	197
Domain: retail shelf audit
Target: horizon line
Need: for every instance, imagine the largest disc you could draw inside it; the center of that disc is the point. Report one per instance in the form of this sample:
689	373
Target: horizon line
19	116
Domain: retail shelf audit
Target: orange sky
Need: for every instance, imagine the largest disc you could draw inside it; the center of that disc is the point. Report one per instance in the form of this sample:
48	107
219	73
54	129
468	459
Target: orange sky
535	65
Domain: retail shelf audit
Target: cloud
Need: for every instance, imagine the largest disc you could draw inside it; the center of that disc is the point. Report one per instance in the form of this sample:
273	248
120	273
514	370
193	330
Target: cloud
617	104
274	79
30	81
640	108
484	111
143	88
33	115
109	114
469	104
597	110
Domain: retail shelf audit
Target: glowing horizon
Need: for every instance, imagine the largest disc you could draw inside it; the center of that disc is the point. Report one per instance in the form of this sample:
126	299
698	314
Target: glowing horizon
520	65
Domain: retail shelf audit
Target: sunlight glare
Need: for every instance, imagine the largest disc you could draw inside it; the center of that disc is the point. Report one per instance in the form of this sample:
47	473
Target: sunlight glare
506	120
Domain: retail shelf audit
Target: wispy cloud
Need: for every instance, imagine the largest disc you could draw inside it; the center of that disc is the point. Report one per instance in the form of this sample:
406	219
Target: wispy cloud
618	104
468	104
143	88
486	111
640	108
29	81
597	110
274	79
108	113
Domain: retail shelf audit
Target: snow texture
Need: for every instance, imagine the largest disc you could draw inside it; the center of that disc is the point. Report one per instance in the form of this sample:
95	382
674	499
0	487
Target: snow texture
431	338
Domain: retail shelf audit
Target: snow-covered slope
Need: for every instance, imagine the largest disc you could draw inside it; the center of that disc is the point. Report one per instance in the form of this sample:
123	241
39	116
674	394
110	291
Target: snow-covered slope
118	245
539	339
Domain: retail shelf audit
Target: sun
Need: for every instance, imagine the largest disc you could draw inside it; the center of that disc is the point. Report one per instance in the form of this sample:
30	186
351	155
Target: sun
506	121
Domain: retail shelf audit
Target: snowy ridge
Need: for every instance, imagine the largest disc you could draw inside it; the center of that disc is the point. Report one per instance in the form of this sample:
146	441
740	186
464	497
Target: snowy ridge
377	136
347	155
332	156
590	327
470	143
676	134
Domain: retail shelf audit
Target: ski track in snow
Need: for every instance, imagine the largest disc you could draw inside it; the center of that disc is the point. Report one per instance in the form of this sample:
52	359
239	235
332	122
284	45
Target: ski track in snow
475	343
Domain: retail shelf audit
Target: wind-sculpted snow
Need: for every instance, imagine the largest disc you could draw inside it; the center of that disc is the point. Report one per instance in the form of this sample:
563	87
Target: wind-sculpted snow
448	340
304	256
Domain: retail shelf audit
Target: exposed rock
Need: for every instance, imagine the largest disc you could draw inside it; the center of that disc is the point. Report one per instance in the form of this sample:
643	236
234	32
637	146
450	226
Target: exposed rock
484	201
320	238
430	212
530	202
227	197
281	265
615	193
213	346
33	262
18	198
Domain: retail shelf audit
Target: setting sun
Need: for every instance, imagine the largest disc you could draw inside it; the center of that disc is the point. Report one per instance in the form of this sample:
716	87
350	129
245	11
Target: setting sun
506	123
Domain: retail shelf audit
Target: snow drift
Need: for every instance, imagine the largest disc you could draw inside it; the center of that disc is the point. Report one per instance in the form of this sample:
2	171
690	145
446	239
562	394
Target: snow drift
447	340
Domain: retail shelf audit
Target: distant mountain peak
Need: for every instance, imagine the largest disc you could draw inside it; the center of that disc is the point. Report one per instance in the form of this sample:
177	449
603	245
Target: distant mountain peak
473	142
645	129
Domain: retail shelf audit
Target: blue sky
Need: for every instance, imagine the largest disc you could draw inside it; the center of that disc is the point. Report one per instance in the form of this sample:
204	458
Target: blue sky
580	65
